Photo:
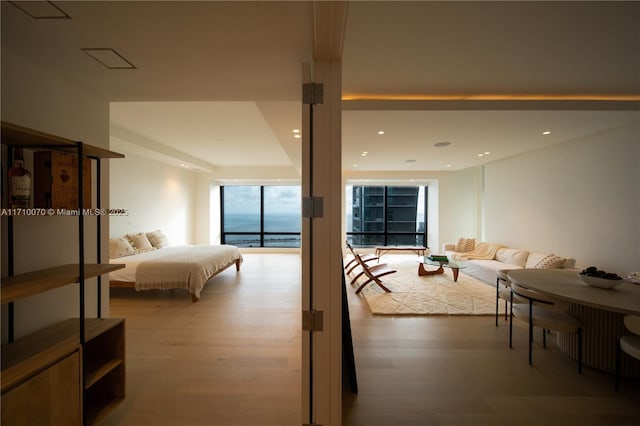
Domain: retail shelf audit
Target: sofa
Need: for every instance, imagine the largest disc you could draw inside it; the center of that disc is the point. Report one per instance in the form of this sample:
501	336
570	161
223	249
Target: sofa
484	260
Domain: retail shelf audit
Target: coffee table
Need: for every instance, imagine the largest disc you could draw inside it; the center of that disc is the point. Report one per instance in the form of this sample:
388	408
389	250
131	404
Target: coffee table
455	267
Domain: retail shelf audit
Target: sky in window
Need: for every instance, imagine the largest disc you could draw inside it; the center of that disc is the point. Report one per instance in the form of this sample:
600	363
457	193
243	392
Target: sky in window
246	199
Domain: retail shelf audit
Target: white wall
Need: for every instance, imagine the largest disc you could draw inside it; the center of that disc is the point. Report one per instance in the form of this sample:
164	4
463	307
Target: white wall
579	199
460	205
156	195
33	98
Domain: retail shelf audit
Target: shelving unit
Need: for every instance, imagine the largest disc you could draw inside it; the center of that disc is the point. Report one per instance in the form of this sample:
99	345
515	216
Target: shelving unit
75	367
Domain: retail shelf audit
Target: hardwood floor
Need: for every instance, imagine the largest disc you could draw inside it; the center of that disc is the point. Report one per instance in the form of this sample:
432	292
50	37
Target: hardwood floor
234	359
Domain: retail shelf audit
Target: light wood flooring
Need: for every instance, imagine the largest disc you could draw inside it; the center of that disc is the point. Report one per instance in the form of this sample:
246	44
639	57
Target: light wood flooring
234	359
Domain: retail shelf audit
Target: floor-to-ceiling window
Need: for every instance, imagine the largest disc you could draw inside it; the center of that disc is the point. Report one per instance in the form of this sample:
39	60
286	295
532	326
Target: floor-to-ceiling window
386	215
261	216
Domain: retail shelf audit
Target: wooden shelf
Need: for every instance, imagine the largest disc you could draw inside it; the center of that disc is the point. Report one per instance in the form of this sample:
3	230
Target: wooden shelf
35	352
13	134
98	377
98	368
34	282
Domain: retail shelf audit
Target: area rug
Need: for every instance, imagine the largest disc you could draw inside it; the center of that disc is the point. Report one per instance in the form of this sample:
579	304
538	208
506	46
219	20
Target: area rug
412	294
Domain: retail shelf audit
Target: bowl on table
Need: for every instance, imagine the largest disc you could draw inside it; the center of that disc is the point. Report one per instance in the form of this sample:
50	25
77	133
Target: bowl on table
598	282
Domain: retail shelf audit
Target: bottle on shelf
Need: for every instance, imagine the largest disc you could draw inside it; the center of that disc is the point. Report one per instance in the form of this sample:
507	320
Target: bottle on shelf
19	182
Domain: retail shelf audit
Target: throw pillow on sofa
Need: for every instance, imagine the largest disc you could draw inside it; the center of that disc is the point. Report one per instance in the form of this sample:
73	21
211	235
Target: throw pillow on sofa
550	261
465	245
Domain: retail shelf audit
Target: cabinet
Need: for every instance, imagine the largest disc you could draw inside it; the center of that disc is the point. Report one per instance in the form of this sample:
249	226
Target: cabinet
72	371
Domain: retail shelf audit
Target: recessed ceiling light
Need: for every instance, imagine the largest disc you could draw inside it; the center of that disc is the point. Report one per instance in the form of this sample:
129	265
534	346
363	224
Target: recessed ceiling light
41	9
296	130
381	132
480	155
546	132
364	153
487	153
448	165
355	165
109	58
441	144
297	136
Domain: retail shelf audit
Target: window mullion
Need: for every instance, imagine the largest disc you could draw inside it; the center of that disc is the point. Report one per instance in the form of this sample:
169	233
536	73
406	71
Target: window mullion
261	215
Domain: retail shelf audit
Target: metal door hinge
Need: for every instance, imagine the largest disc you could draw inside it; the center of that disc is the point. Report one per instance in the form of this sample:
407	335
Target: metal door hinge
312	93
312	207
312	320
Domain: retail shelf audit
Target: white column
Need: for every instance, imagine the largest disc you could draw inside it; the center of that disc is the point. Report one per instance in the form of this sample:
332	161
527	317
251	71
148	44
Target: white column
321	236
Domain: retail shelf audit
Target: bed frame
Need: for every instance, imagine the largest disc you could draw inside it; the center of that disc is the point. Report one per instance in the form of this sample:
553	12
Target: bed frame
132	284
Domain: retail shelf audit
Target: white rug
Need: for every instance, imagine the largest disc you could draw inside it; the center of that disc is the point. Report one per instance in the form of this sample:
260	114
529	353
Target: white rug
427	295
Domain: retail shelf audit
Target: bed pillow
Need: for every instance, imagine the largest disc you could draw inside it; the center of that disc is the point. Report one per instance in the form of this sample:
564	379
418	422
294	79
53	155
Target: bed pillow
140	242
158	239
120	247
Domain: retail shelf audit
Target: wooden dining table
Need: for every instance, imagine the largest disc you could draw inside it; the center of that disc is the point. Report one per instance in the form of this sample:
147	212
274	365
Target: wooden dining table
601	312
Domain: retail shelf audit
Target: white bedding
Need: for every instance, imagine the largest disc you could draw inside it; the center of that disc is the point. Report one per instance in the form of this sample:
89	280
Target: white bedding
187	267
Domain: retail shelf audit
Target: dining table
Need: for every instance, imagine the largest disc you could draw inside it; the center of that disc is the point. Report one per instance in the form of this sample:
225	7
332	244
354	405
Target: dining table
600	311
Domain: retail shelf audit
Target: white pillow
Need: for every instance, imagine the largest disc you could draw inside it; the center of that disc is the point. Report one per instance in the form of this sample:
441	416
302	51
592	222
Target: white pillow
550	261
512	256
533	259
158	239
140	242
120	247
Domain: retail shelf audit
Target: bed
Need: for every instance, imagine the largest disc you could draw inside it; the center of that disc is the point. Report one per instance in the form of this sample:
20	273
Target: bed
188	267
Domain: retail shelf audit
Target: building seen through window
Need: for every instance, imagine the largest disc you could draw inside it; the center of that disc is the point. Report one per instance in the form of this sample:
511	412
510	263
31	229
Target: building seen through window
386	215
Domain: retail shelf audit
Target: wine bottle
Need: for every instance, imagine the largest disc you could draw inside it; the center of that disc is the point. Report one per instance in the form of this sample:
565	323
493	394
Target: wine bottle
19	180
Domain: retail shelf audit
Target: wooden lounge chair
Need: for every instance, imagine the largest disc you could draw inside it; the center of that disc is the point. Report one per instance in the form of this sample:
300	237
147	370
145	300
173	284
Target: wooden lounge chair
353	263
372	274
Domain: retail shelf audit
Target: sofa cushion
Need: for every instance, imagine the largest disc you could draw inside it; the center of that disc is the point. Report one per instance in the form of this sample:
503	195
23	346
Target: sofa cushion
533	259
465	245
486	270
512	256
544	261
550	261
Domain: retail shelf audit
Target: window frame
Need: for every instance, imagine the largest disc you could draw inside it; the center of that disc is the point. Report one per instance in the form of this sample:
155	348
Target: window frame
385	233
261	233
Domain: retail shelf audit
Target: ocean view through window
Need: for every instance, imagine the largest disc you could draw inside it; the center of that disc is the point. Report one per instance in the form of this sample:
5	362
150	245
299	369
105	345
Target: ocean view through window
261	216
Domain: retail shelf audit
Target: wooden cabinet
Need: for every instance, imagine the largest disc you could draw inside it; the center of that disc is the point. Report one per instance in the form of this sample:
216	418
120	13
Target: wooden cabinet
70	372
51	397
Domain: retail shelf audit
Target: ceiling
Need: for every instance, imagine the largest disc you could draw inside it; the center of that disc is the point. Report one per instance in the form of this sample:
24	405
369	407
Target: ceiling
218	84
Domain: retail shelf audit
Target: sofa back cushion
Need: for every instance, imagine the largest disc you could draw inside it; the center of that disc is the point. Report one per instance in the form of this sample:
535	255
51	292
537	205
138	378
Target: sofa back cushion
544	261
512	256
